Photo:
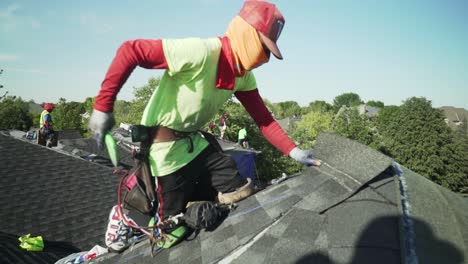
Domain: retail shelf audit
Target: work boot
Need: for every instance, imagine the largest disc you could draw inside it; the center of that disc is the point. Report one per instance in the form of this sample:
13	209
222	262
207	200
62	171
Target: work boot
237	195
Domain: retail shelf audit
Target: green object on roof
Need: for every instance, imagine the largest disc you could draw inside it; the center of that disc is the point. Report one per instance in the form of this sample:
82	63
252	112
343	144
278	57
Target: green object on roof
173	237
111	146
31	243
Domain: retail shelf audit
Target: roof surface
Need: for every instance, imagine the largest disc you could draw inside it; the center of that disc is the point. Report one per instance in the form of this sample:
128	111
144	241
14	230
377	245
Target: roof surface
358	207
69	134
454	115
368	110
349	210
46	193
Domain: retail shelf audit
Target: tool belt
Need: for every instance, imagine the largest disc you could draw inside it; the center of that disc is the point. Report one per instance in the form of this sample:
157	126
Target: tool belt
165	134
159	134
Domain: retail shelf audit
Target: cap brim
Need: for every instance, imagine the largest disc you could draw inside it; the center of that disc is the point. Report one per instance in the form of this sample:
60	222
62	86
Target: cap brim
271	46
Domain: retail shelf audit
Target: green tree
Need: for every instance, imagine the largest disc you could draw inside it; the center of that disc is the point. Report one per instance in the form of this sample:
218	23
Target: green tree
349	123
123	113
319	106
455	157
131	112
378	104
88	108
68	115
142	97
415	136
14	114
311	124
386	126
271	107
287	109
346	99
2	96
463	128
88	104
35	112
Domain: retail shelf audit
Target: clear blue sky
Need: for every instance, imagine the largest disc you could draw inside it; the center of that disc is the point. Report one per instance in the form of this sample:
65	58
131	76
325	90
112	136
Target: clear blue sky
381	50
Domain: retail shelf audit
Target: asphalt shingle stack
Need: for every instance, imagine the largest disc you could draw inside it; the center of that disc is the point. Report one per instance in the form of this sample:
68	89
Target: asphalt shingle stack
64	199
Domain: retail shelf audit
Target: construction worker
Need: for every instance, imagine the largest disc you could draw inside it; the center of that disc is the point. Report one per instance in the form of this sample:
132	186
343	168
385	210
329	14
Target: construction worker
211	127
223	125
46	124
200	75
242	138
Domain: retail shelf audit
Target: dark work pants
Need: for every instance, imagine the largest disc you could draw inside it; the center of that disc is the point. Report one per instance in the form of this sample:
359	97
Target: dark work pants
200	180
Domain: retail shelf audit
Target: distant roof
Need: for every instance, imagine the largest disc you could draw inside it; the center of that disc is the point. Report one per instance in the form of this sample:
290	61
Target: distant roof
33	107
231	147
287	122
454	116
369	111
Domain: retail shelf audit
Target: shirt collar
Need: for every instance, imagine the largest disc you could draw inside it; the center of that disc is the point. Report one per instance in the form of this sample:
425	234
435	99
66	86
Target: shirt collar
226	76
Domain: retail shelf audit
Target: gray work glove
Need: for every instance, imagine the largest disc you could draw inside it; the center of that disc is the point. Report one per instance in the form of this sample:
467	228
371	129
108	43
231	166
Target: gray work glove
100	123
304	157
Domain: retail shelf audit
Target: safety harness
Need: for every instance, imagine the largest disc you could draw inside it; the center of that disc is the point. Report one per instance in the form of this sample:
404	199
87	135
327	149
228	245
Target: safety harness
199	215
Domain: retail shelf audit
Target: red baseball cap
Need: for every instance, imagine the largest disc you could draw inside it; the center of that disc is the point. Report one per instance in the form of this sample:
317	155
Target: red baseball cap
267	20
49	106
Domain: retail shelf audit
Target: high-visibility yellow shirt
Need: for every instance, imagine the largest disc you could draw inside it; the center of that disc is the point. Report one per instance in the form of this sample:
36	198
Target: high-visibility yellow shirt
187	98
43	118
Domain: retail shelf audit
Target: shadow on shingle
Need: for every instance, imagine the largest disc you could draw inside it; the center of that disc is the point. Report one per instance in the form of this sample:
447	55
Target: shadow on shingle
365	249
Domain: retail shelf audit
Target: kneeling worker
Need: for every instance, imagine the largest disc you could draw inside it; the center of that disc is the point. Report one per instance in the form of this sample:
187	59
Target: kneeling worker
200	75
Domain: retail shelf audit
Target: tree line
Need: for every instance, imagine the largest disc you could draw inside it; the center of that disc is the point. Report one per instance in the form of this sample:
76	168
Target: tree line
414	134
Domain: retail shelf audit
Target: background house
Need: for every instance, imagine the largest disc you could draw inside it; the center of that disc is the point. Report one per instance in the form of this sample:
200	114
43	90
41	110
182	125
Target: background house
454	117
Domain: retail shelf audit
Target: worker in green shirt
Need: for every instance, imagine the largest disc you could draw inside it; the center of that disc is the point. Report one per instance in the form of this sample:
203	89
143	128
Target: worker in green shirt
199	76
242	138
46	124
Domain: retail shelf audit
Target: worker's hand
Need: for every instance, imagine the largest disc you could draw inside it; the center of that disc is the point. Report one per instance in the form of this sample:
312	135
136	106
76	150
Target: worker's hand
304	157
100	123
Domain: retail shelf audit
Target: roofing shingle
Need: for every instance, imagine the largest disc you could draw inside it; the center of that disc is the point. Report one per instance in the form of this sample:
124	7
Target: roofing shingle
351	210
359	207
347	211
43	192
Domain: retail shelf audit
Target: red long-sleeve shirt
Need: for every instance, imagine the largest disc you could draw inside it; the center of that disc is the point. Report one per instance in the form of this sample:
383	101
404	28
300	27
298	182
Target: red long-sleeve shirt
149	54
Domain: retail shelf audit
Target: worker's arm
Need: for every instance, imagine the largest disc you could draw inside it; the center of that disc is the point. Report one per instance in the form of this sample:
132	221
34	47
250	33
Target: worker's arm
48	121
145	53
253	103
271	130
148	54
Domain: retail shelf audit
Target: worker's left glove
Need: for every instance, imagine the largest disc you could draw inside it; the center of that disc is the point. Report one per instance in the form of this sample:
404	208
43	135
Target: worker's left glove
304	157
100	123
